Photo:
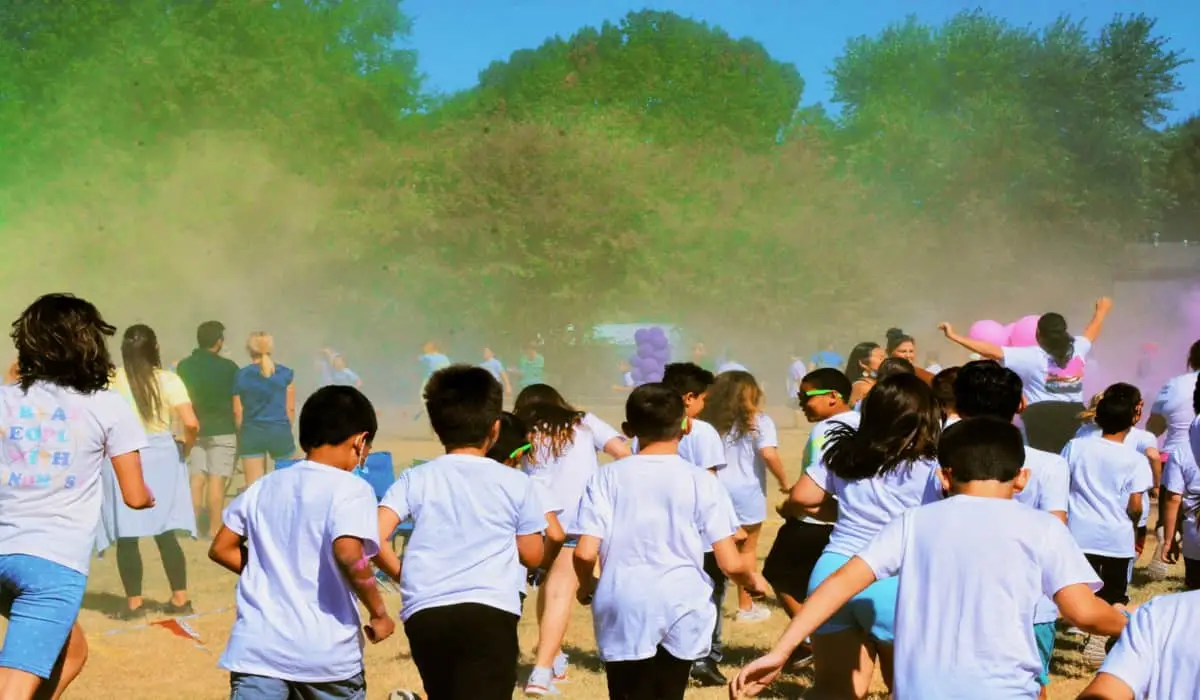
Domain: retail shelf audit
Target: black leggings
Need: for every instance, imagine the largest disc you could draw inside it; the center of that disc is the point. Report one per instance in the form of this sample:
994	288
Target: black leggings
1050	425
661	677
129	563
1114	575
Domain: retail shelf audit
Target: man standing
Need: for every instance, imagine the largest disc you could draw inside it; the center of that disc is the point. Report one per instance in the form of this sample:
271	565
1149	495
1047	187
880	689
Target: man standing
209	381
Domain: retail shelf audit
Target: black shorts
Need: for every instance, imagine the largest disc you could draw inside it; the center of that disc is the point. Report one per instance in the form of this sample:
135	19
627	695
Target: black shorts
797	547
1050	425
466	651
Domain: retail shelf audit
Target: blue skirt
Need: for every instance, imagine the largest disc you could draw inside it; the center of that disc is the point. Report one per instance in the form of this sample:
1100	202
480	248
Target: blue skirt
167	476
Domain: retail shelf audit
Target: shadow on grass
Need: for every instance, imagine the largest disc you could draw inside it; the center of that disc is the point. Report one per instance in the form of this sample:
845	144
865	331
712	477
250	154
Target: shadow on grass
106	603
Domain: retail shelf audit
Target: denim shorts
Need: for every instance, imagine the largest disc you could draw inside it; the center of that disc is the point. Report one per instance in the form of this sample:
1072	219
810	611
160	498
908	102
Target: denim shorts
243	686
1044	633
262	440
872	611
41	600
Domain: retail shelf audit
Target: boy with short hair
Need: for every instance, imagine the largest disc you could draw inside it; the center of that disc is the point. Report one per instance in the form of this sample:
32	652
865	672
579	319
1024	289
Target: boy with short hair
971	568
301	539
477	529
648	518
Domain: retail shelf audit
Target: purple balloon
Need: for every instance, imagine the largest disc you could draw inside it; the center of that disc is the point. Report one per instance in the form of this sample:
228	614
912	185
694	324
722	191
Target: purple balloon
656	376
663	355
660	342
989	332
640	336
645	351
1024	332
637	375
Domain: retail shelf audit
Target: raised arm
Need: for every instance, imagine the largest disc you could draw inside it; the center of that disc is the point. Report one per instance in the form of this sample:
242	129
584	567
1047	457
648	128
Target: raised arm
988	350
1103	306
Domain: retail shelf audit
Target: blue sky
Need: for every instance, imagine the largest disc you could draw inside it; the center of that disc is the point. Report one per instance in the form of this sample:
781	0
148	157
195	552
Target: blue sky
455	39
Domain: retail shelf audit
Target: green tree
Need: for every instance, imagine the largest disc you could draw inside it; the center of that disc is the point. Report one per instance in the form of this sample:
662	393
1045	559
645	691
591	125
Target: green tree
1181	220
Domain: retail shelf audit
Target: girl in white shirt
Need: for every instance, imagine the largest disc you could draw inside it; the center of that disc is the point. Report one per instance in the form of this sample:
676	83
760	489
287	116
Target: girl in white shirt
1171	417
734	408
565	442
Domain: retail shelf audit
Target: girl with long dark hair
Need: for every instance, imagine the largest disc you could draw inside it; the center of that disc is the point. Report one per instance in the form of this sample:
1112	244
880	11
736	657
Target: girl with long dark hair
1051	371
162	403
869	476
861	367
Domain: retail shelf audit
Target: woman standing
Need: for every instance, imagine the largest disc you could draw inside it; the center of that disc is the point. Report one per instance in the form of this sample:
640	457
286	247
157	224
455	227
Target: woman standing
264	408
1052	372
904	346
161	401
864	362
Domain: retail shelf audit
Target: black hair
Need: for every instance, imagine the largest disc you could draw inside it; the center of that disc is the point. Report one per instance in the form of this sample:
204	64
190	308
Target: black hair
983	448
512	437
334	414
1118	407
1052	336
859	354
209	333
900	423
63	340
687	378
894	365
140	357
828	378
1196	398
896	338
654	413
463	403
943	389
987	388
1194	356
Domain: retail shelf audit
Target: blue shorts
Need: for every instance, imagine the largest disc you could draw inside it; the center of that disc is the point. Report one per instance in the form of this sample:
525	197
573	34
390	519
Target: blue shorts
571	541
41	600
872	611
260	441
243	686
1044	633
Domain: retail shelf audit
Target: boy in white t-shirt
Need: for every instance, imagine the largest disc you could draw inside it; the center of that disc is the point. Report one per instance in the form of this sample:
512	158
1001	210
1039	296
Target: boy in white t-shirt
1156	656
971	571
477	530
301	539
648	519
1108	484
59	424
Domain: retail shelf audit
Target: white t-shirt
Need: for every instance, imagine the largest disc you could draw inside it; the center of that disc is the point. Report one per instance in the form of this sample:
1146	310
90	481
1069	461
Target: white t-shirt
971	573
1103	476
567	476
1044	380
866	505
703	447
1048	490
467	513
1156	654
54	441
814	449
1139	440
745	472
297	617
1181	476
1174	404
654	515
730	366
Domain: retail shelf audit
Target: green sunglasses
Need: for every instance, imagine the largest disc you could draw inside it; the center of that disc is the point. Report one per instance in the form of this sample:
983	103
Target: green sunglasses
806	395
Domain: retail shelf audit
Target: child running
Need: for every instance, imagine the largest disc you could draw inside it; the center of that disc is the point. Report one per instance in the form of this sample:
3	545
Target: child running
648	519
803	538
565	442
477	529
970	572
60	422
1172	415
1108	483
871	474
1181	506
734	408
300	540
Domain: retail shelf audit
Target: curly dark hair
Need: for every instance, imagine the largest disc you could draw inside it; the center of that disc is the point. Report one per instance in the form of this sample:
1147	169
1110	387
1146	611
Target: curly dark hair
551	421
62	339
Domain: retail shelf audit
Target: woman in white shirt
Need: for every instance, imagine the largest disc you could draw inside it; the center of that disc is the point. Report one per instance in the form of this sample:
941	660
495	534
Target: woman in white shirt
1051	371
565	442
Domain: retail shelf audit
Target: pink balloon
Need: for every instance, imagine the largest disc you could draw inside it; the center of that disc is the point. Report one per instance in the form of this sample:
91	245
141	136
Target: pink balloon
1024	332
1008	331
989	332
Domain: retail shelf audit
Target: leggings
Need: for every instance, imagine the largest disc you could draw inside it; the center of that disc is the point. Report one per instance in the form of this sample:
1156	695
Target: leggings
1050	425
129	563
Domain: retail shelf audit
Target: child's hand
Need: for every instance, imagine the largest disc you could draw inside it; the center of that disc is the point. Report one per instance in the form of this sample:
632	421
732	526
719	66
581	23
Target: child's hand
946	329
587	589
379	628
1103	305
756	676
758	587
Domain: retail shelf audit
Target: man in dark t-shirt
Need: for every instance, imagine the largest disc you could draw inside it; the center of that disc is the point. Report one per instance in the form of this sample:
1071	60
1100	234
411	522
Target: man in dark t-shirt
209	380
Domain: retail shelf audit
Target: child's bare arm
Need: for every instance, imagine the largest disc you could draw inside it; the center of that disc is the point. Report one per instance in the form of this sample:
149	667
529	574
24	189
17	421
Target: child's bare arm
1134	508
387	560
1084	610
531	550
770	455
229	550
587	551
731	563
356	567
1107	687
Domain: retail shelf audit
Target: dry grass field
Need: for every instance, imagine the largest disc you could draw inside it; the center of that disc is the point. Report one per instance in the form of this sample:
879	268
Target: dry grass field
130	661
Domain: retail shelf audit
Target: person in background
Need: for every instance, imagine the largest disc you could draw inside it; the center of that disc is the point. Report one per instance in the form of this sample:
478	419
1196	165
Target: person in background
493	364
728	364
700	357
531	367
1181	506
627	383
162	402
208	378
943	391
264	408
1051	372
796	372
826	357
62	424
932	363
1172	415
432	359
339	374
861	369
903	346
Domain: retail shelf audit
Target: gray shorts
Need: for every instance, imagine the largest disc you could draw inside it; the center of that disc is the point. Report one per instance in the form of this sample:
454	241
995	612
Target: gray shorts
214	455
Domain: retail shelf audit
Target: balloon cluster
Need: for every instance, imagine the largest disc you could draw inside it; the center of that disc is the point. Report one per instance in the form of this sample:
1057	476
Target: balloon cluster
653	354
1019	334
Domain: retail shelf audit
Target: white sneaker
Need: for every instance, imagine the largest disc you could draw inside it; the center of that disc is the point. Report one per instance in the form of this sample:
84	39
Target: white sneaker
1094	651
756	613
403	695
1075	631
540	683
560	666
